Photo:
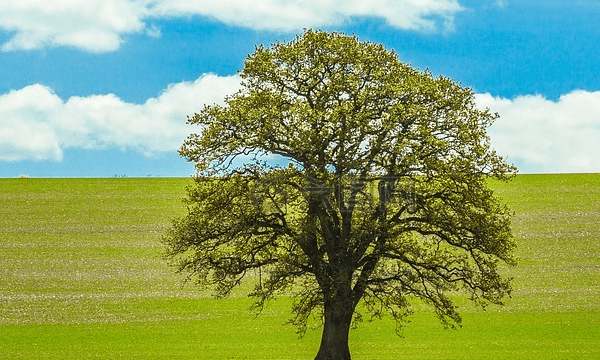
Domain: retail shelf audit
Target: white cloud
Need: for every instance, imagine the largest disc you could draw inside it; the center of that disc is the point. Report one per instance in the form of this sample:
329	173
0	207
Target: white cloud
92	25
99	25
26	130
36	124
289	15
537	134
540	135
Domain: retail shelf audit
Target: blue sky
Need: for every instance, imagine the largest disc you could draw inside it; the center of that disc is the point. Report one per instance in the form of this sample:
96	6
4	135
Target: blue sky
102	87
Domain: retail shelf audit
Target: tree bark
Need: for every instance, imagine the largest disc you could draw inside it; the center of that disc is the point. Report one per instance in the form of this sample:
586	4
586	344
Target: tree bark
334	341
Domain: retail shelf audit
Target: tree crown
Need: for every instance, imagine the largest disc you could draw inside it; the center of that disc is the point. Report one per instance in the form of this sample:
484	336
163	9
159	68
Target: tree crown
339	171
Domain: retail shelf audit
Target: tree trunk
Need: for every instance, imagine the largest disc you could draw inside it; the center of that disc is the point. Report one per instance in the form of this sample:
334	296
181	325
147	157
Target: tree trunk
334	342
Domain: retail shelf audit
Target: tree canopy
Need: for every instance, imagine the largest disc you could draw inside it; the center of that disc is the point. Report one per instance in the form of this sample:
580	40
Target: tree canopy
345	176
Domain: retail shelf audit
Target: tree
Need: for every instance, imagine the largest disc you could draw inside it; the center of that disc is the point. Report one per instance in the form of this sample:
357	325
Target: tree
345	176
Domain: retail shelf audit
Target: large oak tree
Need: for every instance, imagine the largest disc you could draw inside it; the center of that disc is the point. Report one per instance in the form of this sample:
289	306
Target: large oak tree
345	176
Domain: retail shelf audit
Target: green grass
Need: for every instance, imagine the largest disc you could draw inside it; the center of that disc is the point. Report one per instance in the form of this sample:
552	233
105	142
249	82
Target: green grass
81	277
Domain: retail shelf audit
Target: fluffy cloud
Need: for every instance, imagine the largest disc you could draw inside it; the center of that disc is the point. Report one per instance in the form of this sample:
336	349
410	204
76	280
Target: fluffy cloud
98	25
92	25
294	15
37	124
26	125
540	135
537	134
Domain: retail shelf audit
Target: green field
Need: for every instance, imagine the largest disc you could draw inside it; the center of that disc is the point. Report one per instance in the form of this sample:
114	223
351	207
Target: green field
81	277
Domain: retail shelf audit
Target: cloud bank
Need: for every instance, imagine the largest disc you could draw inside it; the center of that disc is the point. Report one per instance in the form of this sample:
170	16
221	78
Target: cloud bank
540	135
99	25
36	124
537	134
92	25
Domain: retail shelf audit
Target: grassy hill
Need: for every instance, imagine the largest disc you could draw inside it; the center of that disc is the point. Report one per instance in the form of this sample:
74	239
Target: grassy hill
81	278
